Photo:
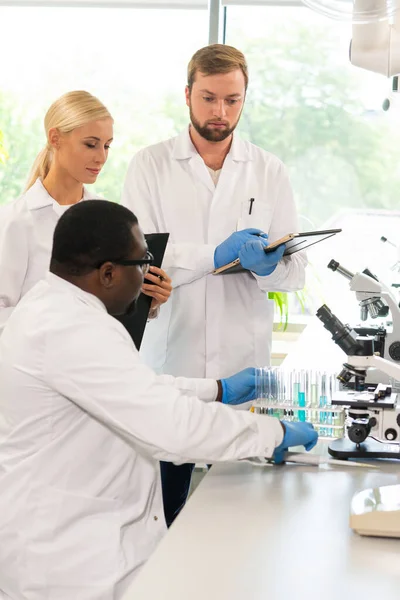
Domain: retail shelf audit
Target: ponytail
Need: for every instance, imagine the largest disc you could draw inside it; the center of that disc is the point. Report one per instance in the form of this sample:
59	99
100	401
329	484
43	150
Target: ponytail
40	167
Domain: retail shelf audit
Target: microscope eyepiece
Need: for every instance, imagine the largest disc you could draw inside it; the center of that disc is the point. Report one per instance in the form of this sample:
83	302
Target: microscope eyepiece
342	335
333	265
325	315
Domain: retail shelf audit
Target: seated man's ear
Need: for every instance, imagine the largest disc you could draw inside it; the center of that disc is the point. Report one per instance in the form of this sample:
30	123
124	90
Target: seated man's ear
107	274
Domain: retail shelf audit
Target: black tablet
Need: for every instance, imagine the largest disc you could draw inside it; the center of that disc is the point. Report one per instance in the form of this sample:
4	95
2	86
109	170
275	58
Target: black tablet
135	323
300	241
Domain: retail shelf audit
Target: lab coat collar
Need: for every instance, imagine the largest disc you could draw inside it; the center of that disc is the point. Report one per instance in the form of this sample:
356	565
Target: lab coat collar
184	148
61	284
240	151
38	197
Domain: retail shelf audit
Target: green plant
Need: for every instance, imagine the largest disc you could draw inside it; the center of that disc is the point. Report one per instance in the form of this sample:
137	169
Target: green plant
281	300
306	298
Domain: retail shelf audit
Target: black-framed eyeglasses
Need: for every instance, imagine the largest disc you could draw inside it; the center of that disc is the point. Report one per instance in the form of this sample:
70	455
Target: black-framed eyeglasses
126	262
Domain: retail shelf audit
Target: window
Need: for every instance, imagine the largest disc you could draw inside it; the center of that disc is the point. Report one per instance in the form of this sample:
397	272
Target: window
134	60
323	117
306	103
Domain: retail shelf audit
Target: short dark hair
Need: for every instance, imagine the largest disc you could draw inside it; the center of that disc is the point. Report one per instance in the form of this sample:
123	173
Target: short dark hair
90	233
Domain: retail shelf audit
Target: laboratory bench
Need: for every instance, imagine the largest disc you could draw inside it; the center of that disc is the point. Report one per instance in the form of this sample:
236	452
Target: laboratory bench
274	533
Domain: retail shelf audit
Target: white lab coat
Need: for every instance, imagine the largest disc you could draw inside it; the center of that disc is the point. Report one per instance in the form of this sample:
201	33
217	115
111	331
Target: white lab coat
26	239
85	424
212	326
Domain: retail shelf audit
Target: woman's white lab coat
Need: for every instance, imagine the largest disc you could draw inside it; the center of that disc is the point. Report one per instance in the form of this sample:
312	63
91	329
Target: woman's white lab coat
212	326
84	424
26	238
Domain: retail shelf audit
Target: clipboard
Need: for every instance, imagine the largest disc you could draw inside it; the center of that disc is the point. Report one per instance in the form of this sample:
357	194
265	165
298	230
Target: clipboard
135	323
294	243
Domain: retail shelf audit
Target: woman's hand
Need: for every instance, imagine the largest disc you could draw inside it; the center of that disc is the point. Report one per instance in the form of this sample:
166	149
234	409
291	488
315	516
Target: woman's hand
158	286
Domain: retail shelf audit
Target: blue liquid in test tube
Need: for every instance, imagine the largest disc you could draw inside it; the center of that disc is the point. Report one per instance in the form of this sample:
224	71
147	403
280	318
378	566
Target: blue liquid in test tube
302	396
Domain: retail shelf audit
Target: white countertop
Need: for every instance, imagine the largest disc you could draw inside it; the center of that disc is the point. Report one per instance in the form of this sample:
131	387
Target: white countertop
275	533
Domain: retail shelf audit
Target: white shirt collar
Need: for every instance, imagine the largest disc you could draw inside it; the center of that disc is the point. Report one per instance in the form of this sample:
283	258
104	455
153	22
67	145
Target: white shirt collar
184	148
38	197
61	284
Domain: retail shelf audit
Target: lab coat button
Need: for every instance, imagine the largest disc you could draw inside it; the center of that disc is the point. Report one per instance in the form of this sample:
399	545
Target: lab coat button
155	518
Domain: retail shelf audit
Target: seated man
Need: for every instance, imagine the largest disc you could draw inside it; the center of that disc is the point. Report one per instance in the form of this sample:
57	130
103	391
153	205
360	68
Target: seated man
84	422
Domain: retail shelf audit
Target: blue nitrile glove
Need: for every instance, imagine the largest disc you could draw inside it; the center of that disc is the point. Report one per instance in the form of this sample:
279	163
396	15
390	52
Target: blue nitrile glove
228	250
296	434
253	257
239	388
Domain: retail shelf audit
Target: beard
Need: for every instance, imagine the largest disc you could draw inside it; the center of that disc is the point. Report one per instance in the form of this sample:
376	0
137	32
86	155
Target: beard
212	135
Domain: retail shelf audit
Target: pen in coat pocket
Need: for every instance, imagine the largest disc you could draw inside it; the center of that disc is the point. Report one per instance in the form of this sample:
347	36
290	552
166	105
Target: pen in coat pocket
251	205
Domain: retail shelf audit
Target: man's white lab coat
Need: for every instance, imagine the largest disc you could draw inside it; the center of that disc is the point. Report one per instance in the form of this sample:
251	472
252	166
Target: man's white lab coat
26	239
212	326
84	424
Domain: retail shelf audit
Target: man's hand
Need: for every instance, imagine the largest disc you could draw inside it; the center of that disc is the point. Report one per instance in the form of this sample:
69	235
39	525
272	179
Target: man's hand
229	249
239	388
160	289
253	257
296	434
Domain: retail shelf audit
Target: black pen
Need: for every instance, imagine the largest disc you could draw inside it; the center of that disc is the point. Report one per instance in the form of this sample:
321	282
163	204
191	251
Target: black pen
251	205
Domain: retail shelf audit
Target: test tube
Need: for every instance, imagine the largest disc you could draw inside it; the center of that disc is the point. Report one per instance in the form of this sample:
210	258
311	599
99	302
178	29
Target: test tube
295	384
266	389
302	394
272	383
323	402
314	385
279	392
339	422
288	394
330	415
260	385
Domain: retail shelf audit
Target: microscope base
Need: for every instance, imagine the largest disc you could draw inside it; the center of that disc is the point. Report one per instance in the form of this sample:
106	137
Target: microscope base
370	448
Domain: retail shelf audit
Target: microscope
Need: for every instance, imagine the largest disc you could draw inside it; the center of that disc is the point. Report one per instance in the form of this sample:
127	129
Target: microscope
373	413
375	300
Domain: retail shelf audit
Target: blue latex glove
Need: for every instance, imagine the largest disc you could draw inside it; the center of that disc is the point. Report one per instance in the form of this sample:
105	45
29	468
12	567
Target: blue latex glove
239	388
296	434
253	257
228	250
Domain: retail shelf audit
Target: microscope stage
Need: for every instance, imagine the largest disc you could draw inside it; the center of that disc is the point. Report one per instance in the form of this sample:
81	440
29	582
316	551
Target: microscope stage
344	448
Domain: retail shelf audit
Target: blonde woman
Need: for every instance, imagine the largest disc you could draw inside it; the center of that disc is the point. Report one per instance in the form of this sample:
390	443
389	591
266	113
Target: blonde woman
79	131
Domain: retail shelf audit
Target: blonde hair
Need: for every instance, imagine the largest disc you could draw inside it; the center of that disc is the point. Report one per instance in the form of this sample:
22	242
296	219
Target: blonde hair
216	59
72	110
